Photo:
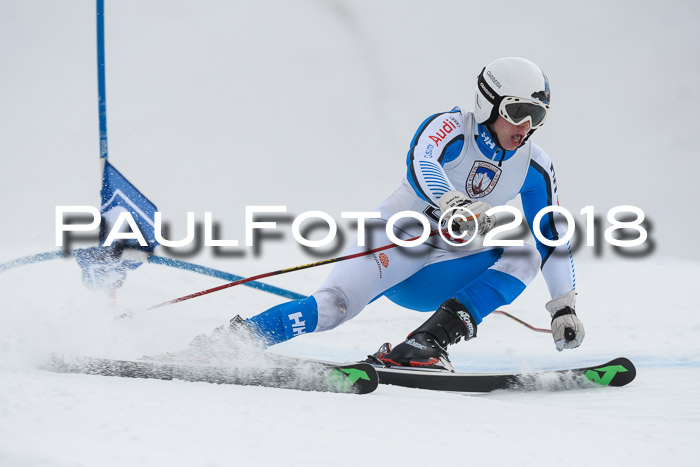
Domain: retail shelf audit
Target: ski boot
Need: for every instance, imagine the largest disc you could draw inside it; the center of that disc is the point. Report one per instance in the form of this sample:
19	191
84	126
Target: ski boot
426	347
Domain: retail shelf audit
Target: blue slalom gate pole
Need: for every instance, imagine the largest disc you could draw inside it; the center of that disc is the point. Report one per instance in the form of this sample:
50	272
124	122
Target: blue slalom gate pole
101	86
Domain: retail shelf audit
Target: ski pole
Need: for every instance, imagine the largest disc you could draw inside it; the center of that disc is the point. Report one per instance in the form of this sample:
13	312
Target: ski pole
284	271
518	320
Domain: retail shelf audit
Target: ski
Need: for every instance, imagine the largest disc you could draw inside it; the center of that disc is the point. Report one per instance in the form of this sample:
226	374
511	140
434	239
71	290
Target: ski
301	374
617	372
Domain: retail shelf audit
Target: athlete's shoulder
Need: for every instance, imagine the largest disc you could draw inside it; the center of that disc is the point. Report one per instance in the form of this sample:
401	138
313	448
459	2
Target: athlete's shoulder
440	128
539	156
541	172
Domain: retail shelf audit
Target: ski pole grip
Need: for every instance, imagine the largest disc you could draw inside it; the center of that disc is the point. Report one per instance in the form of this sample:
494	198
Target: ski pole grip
569	334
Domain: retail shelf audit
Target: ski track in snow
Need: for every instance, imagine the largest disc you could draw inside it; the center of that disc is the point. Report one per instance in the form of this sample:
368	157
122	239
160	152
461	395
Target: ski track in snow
68	419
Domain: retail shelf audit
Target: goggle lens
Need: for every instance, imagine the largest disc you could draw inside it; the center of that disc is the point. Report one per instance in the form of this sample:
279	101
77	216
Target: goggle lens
518	111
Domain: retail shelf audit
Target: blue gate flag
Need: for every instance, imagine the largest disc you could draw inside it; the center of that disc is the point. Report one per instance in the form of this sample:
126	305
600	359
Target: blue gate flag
119	195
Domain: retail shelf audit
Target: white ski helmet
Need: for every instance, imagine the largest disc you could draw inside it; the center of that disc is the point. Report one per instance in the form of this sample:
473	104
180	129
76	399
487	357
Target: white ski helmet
514	88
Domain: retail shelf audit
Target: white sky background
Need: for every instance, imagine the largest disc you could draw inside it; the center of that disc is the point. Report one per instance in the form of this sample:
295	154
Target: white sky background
214	105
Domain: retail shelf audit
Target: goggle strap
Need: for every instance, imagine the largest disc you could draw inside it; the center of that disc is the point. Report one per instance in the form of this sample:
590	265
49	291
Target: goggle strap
488	92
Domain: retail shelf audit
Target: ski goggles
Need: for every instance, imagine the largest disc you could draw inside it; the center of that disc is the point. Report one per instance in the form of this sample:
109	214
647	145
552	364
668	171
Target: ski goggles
517	110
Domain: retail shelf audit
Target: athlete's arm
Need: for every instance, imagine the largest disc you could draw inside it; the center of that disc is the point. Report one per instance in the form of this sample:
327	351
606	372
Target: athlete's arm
438	140
538	192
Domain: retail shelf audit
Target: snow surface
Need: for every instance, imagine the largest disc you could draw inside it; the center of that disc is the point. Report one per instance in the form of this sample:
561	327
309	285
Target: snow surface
216	105
58	419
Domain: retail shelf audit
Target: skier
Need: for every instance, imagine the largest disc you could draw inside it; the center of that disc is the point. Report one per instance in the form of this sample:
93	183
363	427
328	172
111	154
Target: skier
462	162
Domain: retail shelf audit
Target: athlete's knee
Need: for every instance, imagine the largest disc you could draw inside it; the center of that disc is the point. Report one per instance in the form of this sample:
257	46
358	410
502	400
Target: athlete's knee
334	308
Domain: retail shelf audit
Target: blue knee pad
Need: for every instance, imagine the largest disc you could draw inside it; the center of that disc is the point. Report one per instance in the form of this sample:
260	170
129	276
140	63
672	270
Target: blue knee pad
283	322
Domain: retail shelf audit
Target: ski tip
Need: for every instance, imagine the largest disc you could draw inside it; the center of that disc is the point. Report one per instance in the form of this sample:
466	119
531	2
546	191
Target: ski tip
618	372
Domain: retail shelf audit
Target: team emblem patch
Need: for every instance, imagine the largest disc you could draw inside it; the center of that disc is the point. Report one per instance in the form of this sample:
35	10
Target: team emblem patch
482	179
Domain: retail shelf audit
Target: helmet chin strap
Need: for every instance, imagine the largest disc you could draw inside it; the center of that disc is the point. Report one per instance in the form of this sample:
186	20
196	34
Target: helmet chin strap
527	136
494	136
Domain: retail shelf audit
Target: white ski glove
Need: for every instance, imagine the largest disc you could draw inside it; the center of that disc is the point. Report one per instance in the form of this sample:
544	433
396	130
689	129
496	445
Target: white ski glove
567	329
464	220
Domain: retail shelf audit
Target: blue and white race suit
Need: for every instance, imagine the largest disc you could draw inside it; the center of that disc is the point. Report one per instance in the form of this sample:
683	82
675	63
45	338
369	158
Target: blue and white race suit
449	151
